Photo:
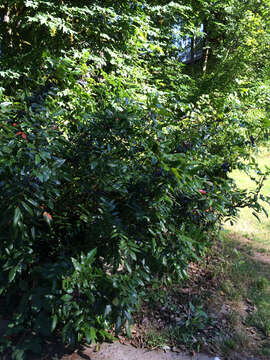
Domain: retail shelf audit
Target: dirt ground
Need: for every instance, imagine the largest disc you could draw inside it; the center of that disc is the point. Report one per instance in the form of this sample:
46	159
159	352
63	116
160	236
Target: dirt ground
117	351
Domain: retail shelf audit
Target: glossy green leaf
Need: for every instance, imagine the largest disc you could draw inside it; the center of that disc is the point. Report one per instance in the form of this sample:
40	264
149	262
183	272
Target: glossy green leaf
17	216
54	322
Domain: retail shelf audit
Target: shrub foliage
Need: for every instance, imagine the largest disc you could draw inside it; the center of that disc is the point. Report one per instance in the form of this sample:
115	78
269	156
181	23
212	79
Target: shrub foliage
115	157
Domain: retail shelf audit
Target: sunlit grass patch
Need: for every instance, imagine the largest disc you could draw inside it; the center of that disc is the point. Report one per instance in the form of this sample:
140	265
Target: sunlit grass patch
247	224
246	280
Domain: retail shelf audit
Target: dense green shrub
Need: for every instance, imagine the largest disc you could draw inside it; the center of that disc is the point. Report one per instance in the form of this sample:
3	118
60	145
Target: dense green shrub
97	203
114	170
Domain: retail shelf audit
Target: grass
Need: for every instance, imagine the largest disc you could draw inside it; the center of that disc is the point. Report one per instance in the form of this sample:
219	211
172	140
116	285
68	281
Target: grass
248	225
245	286
226	311
246	277
224	307
246	274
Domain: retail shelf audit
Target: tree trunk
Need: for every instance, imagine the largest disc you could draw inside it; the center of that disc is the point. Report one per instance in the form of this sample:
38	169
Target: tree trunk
192	50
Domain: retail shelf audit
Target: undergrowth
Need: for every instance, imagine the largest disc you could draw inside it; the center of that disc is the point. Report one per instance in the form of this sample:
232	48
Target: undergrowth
223	308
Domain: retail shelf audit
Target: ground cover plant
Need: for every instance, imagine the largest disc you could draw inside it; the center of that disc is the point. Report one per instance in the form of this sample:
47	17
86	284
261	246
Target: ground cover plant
115	156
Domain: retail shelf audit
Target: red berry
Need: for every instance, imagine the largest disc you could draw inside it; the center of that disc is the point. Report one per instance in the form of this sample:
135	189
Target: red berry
49	216
23	135
203	192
